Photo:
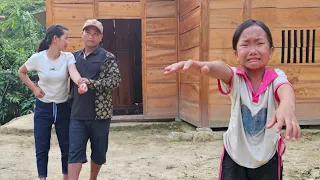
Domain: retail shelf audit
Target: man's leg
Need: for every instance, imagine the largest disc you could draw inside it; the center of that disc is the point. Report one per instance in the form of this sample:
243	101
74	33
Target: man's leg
95	169
74	170
99	145
78	138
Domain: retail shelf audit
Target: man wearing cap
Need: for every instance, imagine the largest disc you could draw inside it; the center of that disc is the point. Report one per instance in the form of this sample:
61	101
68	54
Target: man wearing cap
92	111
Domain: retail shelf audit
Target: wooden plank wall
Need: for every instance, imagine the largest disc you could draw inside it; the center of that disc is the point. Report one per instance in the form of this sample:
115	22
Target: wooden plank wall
225	16
189	48
73	13
161	95
159	42
279	15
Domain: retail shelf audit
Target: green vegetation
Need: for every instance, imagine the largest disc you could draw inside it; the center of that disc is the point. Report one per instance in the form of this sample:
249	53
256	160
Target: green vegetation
20	35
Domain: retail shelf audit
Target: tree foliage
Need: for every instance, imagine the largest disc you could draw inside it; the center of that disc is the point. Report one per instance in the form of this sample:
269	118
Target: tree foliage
20	34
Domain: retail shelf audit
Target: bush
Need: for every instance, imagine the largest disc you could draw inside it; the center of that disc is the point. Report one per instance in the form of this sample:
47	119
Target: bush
19	37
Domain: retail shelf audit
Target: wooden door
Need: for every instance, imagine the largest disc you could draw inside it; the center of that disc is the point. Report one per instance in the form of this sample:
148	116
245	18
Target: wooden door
123	39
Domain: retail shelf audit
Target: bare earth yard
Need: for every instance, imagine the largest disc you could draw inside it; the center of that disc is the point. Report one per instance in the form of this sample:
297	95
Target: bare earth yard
146	153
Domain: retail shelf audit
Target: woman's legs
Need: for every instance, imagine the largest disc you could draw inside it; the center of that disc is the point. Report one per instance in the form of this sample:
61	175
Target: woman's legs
62	130
42	135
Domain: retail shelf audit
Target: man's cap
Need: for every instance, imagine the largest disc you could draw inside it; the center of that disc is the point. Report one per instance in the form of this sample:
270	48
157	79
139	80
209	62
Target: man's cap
94	23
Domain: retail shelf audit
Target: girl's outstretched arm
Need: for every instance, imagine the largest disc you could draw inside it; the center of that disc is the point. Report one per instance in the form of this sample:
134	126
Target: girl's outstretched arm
285	113
213	69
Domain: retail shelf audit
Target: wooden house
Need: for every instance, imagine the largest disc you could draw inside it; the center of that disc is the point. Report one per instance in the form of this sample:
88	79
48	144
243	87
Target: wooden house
148	35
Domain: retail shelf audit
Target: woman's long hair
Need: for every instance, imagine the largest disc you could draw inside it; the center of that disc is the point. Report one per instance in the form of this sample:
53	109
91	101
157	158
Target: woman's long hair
53	30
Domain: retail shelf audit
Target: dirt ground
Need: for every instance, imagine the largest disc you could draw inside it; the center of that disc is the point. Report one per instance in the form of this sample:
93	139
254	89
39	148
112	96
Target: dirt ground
147	154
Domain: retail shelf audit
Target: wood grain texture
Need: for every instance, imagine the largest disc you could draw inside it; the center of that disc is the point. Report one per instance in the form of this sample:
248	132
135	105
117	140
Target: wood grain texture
72	12
74	27
142	118
186	6
247	10
221	38
190	39
190	21
192	53
155	75
308	111
163	106
186	118
158	42
159	91
115	10
178	52
272	17
297	74
225	18
49	13
96	9
225	55
190	92
72	1
215	97
156	58
204	55
267	15
226	4
164	9
286	3
120	0
219	113
267	3
307	92
161	26
187	78
75	44
189	111
288	17
144	56
161	51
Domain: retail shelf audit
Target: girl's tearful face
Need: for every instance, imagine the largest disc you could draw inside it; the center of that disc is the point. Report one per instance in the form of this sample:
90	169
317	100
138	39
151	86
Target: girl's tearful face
253	48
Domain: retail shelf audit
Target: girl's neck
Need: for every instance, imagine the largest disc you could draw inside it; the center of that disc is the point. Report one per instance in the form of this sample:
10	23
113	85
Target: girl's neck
53	53
255	76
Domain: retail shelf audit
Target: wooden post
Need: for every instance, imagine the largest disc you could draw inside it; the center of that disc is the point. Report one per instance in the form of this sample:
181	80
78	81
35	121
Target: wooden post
2	18
49	13
178	53
204	56
96	9
144	56
247	10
